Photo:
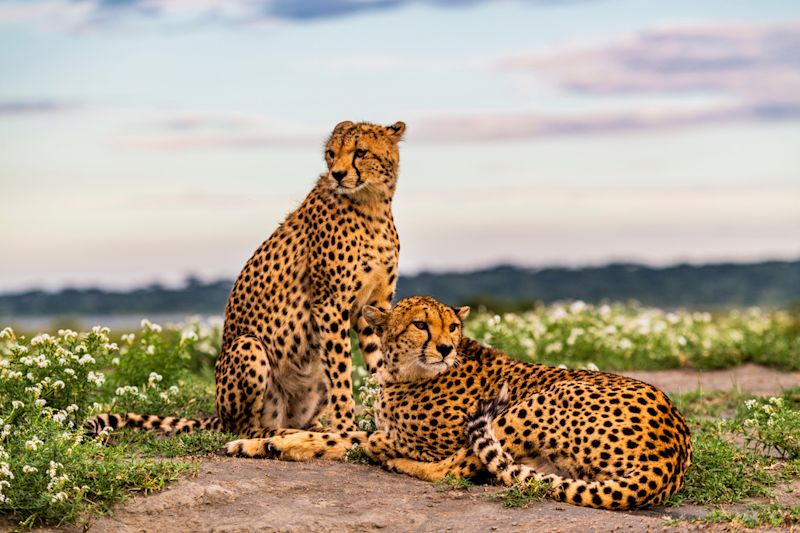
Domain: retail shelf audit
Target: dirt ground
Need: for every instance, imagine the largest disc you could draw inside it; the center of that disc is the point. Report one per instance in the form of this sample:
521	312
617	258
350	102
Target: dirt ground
253	495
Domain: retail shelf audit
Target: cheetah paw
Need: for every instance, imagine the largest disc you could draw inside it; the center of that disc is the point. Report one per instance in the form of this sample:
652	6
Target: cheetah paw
250	448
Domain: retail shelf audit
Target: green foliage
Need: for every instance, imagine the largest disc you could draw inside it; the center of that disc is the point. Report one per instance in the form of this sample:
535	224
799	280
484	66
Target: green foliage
759	515
451	482
623	337
367	395
357	454
524	493
772	425
49	385
149	444
723	473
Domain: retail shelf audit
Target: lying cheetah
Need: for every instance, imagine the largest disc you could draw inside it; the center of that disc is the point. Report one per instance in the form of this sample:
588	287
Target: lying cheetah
286	340
602	440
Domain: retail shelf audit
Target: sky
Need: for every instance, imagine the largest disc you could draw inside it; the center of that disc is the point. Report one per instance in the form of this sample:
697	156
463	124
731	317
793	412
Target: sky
146	140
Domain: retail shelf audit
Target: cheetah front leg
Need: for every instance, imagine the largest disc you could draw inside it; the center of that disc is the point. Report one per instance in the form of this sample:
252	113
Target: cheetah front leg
299	446
332	322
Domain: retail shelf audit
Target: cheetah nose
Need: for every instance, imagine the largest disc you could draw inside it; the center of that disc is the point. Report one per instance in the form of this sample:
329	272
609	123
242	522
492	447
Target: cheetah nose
339	175
444	349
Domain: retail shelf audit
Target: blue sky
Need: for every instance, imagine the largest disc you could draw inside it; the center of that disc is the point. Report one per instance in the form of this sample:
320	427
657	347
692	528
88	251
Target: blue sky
142	140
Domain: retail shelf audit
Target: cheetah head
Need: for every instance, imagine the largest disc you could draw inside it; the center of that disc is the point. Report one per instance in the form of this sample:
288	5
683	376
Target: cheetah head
363	159
419	337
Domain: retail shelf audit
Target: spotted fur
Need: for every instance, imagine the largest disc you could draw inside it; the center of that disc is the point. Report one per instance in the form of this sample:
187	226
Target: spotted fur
286	341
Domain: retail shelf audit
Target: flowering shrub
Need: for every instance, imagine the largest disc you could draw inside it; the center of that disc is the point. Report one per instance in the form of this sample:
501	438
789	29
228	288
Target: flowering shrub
772	425
367	396
50	385
619	337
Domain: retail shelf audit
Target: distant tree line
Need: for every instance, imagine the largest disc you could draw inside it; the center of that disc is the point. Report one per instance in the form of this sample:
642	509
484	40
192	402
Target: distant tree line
770	284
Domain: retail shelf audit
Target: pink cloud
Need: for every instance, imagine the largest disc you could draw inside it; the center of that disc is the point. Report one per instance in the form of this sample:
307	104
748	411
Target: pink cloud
753	62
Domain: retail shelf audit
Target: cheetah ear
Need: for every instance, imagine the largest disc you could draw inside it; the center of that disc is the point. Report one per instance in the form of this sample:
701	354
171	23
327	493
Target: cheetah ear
374	316
463	312
343	126
396	130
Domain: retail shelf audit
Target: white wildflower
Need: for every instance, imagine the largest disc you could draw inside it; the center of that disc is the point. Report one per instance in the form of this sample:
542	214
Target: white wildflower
625	344
33	444
41	402
555	347
154	377
7	334
188	336
58	497
750	404
16	404
593	367
69	372
67	334
86	359
29	469
52	470
44	338
146	324
97	378
578	306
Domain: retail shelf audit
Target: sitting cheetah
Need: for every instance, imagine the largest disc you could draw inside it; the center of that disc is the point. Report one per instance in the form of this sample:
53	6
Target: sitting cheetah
602	440
286	339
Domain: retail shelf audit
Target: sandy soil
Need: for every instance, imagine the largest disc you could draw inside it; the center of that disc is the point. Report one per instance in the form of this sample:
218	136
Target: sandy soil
252	495
752	378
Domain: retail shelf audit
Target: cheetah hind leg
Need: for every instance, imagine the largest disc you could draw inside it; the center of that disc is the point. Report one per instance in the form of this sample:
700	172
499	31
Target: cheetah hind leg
462	465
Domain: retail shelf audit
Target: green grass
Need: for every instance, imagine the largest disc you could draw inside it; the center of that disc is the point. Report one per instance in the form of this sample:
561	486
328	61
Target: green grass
723	473
358	455
148	444
451	482
523	494
758	515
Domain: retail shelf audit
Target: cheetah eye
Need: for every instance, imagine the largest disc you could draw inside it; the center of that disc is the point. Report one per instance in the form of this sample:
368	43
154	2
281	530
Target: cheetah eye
453	326
361	152
330	154
419	324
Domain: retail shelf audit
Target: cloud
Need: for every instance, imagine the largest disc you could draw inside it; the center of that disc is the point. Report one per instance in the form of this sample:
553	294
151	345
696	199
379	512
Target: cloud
180	142
80	14
749	62
533	125
34	107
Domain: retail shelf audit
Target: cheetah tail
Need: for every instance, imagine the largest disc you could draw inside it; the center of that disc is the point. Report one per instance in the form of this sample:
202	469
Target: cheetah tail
162	424
623	493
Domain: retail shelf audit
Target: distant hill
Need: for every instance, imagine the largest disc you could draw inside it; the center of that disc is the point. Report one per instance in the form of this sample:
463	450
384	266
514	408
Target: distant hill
771	284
